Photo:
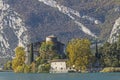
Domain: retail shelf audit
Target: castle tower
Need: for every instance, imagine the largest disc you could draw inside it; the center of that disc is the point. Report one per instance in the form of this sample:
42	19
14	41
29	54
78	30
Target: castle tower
59	46
29	55
51	38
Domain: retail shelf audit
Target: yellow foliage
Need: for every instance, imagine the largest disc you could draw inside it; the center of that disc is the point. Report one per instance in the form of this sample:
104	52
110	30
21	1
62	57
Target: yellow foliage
19	69
19	59
26	69
79	53
33	67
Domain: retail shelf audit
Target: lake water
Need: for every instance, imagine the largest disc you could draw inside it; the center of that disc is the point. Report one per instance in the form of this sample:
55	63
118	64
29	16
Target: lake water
67	76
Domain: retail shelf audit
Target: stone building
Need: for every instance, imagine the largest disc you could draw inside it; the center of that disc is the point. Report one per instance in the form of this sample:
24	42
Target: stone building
59	45
58	66
33	48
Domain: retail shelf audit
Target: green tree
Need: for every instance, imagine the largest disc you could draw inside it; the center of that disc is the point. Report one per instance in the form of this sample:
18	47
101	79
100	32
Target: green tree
118	51
43	68
48	51
79	53
110	53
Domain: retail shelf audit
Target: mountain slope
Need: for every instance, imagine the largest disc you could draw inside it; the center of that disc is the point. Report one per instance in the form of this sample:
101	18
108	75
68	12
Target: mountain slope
115	33
44	17
65	18
71	14
12	30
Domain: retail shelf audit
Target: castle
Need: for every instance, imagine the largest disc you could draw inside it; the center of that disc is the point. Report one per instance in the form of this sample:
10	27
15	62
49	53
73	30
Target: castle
33	48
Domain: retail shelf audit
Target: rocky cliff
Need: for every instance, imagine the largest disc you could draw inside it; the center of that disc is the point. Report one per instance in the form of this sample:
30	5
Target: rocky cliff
12	30
22	21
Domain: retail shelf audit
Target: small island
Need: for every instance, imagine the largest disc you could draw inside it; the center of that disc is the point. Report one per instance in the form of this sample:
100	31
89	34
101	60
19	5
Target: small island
52	56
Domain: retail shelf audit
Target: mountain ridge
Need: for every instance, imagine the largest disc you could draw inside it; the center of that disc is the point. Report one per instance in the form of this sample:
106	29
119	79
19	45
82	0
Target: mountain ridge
66	19
96	9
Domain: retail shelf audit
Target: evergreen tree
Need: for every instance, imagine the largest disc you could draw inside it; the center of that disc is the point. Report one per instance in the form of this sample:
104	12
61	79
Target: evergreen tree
110	54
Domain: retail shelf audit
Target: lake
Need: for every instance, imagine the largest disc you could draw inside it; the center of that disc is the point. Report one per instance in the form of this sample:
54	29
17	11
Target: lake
67	76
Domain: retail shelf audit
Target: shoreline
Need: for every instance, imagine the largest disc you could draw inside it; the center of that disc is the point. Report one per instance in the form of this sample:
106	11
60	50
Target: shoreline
110	69
6	70
104	70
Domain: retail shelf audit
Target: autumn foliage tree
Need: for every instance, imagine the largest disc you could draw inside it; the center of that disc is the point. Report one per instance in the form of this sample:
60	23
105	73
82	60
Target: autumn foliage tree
79	53
18	62
8	66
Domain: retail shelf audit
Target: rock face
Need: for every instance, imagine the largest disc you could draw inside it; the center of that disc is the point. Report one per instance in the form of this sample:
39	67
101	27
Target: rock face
12	30
71	13
66	19
115	33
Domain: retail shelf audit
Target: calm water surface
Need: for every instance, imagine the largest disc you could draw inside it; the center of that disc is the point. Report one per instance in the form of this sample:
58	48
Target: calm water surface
67	76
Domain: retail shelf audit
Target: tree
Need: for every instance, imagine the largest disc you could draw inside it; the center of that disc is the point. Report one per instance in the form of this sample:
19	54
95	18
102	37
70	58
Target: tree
19	69
26	69
43	68
33	67
110	54
8	66
19	61
79	53
48	51
118	51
